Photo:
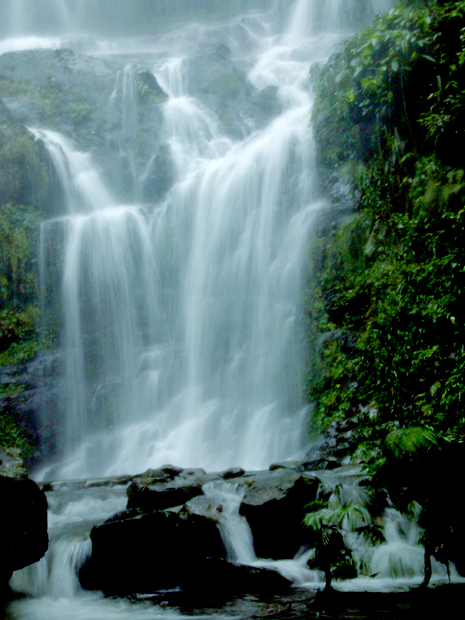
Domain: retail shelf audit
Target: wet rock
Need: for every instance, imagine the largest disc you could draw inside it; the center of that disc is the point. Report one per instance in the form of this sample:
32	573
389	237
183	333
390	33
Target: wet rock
233	472
23	538
223	577
149	88
27	389
265	105
290	465
145	553
159	176
215	80
274	506
81	96
161	474
151	494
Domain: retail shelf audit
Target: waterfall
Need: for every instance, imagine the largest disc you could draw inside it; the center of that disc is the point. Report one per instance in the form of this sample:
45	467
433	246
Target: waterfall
82	186
180	320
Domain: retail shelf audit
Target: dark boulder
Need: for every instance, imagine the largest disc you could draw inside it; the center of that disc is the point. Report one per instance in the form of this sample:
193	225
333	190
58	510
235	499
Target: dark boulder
233	472
161	489
149	552
274	506
24	538
220	577
159	176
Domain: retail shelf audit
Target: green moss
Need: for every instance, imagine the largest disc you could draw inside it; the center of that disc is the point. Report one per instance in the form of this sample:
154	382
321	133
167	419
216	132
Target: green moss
11	437
7	390
14	89
226	86
79	113
149	89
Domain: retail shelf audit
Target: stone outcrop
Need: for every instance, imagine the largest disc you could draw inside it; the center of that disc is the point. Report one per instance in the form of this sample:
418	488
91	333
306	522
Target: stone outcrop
155	494
148	552
274	506
225	88
168	536
23	538
81	96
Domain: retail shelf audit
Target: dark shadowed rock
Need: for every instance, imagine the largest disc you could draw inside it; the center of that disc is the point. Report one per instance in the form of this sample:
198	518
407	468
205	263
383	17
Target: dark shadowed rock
218	576
145	553
152	494
274	506
233	472
23	538
159	176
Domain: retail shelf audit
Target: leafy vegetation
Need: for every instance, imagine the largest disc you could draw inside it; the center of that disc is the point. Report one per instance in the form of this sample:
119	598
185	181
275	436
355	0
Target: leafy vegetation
19	226
390	278
389	121
23	192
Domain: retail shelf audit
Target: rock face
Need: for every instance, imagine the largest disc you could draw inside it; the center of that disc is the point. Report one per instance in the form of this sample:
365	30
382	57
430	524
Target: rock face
27	389
169	536
24	538
91	100
274	506
217	81
148	552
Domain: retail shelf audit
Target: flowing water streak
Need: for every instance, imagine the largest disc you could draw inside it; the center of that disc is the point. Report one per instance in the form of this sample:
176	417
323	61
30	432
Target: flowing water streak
122	112
109	303
81	184
224	501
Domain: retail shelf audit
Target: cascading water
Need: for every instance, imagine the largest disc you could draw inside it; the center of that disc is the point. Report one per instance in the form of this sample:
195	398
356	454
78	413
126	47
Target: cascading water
182	322
237	536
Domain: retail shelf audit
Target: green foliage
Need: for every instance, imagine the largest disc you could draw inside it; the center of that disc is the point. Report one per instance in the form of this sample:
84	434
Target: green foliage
332	520
389	112
19	225
22	177
19	228
410	440
11	436
79	113
149	89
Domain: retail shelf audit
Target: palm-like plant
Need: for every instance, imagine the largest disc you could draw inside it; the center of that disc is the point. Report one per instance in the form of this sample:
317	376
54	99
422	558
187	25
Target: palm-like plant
332	521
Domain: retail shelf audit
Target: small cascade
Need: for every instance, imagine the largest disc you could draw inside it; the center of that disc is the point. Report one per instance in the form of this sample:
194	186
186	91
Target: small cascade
52	586
56	575
235	531
82	186
398	561
224	500
73	510
190	129
402	554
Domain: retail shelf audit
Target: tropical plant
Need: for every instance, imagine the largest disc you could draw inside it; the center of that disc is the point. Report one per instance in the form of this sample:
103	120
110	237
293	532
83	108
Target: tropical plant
332	520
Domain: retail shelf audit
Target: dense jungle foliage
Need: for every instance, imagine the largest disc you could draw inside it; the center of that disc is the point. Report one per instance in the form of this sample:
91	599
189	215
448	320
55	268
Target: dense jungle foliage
23	195
23	184
389	121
